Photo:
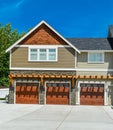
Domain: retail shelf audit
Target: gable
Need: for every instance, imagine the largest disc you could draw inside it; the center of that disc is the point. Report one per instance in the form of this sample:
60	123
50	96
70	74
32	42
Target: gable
43	36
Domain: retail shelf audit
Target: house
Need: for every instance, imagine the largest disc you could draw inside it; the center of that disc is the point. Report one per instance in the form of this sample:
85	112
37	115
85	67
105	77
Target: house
46	68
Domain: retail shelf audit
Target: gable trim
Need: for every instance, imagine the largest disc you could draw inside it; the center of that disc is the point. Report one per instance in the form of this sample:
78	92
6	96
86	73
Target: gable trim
43	46
42	22
96	50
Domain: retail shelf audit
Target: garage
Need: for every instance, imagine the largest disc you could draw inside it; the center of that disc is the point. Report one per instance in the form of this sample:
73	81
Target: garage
27	93
91	94
57	93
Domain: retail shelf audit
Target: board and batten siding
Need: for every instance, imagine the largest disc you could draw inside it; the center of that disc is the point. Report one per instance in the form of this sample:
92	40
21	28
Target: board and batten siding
66	59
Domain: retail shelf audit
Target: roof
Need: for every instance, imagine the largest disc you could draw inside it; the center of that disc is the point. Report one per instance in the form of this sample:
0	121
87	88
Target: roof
42	22
92	43
77	43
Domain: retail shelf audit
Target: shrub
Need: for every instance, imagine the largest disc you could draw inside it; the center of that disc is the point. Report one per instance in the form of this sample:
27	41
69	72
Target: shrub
4	81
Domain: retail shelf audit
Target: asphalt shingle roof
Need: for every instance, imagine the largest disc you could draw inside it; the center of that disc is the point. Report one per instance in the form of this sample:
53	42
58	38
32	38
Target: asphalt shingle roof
92	43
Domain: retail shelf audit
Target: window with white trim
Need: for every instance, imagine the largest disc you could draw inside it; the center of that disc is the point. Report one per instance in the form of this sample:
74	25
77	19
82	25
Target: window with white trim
42	54
33	54
52	54
95	57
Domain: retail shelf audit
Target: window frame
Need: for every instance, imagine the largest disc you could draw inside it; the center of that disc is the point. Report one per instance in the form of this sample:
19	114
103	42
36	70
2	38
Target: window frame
38	54
42	53
30	54
52	53
94	62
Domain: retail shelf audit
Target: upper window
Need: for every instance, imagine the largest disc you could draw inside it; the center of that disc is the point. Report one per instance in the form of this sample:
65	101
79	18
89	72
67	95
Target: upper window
52	54
33	54
95	57
42	54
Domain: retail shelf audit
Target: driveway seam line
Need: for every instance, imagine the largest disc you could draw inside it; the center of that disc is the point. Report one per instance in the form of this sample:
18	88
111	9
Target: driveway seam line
64	119
22	115
108	115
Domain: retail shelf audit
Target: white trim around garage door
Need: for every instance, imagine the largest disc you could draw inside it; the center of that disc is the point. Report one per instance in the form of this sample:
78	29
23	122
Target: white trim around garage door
95	82
58	82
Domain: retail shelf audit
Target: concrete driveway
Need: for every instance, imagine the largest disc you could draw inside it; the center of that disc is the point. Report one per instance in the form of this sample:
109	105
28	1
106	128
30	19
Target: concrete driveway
55	117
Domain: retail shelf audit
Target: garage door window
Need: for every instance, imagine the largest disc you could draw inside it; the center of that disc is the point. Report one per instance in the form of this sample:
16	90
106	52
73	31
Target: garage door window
91	85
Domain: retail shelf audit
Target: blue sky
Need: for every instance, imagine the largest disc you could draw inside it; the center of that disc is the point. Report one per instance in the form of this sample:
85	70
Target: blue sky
71	18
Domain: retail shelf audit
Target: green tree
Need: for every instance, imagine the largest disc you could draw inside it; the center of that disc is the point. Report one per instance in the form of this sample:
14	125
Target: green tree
7	38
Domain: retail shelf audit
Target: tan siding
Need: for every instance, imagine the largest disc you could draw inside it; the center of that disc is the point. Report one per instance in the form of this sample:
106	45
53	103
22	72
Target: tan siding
92	73
83	61
66	59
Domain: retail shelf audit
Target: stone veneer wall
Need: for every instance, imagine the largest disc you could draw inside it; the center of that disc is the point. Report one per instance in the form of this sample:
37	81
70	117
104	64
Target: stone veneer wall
42	95
73	97
57	72
11	95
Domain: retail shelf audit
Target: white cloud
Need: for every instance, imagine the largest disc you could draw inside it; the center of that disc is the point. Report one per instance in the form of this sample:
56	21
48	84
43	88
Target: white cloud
19	3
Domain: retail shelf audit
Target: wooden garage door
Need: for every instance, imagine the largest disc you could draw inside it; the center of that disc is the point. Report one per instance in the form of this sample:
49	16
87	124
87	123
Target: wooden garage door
57	93
92	94
27	93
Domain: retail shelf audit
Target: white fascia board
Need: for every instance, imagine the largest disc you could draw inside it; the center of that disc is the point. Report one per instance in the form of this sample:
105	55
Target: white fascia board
43	46
96	50
63	69
42	22
94	69
56	69
24	36
62	37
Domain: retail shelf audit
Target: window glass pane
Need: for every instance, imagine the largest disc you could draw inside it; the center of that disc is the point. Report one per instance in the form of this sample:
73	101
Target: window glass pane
33	54
52	50
43	54
52	54
96	57
92	57
52	57
99	57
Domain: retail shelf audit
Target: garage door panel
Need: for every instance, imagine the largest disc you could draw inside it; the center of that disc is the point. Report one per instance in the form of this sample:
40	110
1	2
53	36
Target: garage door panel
92	94
57	93
27	93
